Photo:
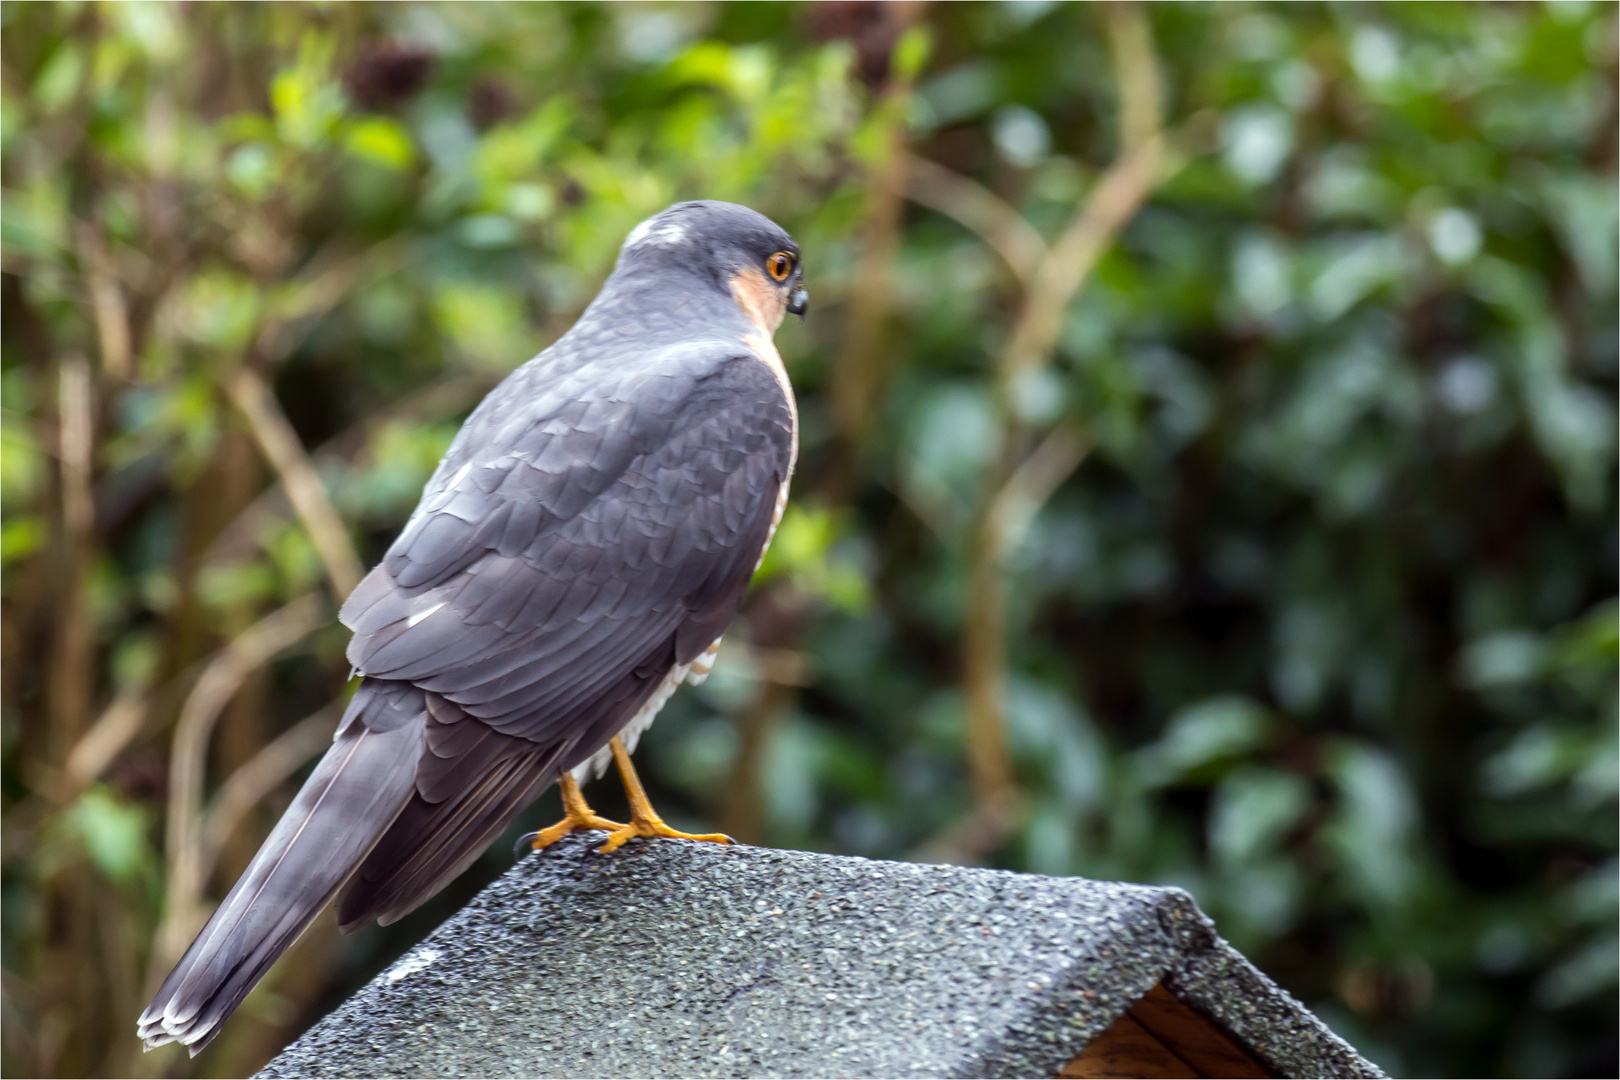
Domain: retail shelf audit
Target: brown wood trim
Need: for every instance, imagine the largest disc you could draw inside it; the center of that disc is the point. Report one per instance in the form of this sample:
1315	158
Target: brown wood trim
1193	1037
1126	1050
1162	1036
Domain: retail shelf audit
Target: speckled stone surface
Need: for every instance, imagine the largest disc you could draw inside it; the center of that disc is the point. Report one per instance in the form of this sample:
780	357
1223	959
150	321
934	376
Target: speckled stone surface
680	959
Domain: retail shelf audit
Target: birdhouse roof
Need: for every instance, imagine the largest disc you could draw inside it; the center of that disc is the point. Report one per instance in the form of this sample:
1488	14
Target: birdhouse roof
679	959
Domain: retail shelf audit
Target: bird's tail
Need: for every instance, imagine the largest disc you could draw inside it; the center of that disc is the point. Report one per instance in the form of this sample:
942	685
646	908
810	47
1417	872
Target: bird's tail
349	802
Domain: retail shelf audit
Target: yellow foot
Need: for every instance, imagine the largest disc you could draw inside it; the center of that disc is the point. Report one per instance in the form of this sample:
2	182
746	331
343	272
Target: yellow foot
577	815
548	836
644	820
654	827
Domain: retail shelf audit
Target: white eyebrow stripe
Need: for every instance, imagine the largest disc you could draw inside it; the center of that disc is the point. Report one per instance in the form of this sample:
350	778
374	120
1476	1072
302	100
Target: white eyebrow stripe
420	615
653	231
670	233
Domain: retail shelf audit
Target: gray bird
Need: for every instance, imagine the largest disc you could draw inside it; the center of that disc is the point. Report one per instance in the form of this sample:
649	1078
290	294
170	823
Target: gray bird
577	554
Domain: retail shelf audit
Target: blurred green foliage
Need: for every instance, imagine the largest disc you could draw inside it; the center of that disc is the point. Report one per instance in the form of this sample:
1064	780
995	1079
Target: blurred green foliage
1322	630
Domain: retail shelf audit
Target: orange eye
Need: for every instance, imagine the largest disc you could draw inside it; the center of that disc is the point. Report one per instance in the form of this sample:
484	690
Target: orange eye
780	265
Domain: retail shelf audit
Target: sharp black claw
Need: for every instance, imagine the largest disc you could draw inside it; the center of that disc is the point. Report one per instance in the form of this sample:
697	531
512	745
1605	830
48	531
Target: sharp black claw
524	845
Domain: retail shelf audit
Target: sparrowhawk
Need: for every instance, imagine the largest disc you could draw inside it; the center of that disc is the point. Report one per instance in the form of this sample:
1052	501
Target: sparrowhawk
576	555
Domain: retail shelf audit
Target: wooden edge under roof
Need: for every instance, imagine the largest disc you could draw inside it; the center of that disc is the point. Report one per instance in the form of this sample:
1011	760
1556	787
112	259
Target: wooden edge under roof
1162	1036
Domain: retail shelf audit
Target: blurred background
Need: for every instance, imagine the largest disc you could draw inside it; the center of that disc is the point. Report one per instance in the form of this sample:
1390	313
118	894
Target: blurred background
1208	468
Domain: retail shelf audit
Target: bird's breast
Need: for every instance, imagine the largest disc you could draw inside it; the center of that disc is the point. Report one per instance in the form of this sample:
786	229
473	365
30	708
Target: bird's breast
761	345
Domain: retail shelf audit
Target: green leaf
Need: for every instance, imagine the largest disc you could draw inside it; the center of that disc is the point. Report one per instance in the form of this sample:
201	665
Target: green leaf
306	101
381	141
1203	736
1254	808
21	465
486	322
252	168
219	308
59	79
20	538
1373	826
1507	658
113	833
911	53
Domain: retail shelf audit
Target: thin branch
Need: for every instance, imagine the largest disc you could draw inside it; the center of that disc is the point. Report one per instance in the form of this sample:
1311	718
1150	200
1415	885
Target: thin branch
975	835
72	654
1137	71
980	211
742	806
1113	202
76	409
324	285
443	398
984	672
299	479
107	304
1016	488
782	667
113	730
250	650
1014	507
261	774
860	367
326	282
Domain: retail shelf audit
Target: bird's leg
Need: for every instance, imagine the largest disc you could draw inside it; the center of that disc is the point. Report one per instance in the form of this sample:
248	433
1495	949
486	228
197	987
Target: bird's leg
577	814
644	820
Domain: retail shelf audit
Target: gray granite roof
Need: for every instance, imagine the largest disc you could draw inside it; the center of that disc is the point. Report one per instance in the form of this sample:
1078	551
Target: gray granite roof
679	959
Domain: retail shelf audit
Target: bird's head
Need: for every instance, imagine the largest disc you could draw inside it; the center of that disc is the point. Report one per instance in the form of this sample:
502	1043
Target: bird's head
745	253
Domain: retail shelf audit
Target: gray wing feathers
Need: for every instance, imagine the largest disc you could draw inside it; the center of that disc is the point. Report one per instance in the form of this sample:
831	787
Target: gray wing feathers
537	653
589	528
347	805
471	783
552	561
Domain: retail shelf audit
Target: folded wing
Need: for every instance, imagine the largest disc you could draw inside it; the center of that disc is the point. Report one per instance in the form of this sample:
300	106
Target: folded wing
547	585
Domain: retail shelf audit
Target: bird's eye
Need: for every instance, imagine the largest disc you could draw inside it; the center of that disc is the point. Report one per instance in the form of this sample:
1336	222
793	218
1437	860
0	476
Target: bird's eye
780	265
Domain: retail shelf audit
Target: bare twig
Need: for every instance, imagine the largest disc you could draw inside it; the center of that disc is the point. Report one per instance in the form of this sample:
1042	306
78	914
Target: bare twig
77	419
1137	72
984	676
984	662
784	667
859	370
440	399
1014	507
71	660
324	285
261	774
980	211
742	809
113	730
971	837
251	649
1111	205
299	479
1018	486
106	304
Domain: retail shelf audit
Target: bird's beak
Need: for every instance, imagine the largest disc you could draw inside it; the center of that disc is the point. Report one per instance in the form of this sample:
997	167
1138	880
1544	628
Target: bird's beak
799	302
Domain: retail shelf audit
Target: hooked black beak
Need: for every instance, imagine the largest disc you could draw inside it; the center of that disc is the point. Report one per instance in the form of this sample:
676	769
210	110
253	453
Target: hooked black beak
799	302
